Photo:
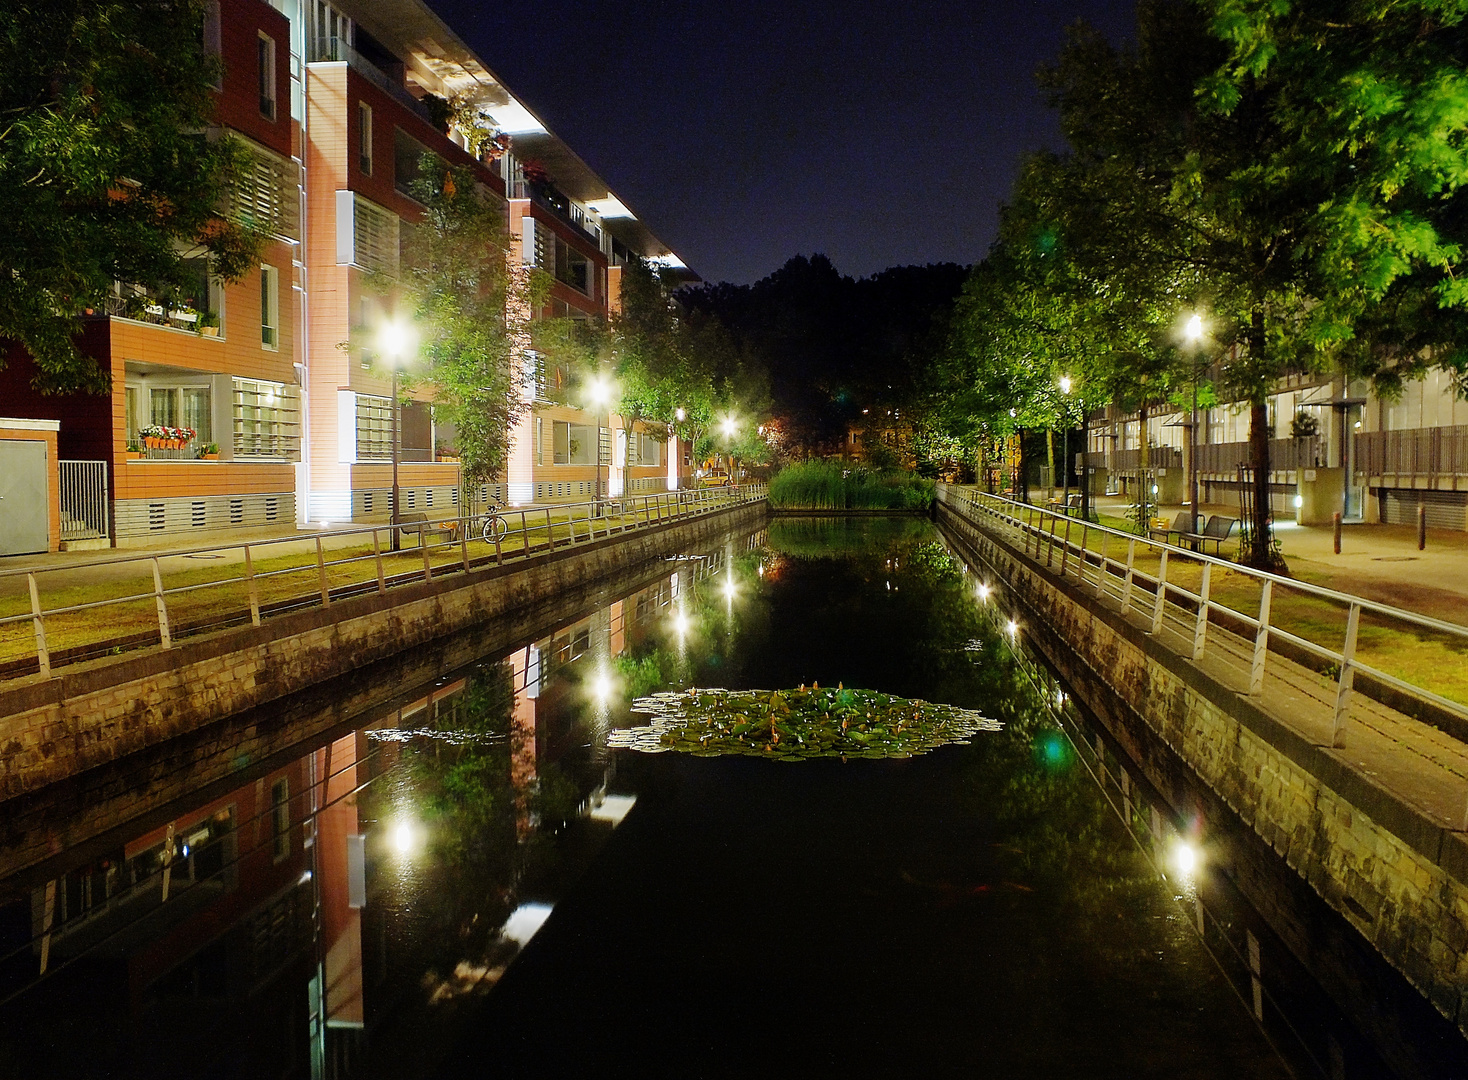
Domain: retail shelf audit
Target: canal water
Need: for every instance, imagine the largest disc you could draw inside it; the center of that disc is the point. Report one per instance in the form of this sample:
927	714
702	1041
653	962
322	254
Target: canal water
467	881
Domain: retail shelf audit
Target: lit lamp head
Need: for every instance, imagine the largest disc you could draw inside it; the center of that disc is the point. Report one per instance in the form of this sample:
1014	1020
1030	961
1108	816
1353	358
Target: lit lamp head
599	392
680	415
1193	331
728	427
394	341
1065	384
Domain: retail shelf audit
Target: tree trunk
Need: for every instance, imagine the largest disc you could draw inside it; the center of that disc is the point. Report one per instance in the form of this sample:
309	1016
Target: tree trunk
1261	546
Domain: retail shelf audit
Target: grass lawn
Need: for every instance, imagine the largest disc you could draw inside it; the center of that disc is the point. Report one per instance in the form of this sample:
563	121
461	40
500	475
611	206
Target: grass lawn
216	588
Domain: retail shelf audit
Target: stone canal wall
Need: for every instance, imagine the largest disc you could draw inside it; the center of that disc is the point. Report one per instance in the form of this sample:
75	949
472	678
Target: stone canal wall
90	715
1394	874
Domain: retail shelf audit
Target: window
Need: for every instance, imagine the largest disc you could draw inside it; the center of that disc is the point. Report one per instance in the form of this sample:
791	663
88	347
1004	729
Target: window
374	428
195	412
649	450
213	43
364	138
269	307
572	267
407	155
540	440
575	444
266	419
265	194
163	406
266	52
131	414
280	817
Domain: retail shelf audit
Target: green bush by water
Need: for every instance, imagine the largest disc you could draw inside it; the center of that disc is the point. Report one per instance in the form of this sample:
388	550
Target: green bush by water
834	485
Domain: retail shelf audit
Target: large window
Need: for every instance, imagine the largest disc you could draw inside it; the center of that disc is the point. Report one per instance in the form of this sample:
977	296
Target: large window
374	428
267	76
575	444
269	307
266	419
649	450
572	267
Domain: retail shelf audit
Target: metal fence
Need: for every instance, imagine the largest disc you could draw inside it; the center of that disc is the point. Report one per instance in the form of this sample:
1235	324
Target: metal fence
462	544
1059	540
1285	455
1436	451
1158	457
83	500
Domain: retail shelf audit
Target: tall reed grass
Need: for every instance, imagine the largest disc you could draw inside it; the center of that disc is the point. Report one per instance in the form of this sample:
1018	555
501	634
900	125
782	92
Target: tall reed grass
835	485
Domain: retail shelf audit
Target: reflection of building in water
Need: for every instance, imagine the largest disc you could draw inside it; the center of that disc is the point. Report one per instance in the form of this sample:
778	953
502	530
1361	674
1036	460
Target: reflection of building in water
266	929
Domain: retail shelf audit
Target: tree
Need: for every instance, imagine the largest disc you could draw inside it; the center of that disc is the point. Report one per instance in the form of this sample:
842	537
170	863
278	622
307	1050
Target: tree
106	173
472	311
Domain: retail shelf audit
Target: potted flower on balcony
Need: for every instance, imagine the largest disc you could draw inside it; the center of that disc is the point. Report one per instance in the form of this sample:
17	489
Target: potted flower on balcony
209	452
134	451
152	436
208	324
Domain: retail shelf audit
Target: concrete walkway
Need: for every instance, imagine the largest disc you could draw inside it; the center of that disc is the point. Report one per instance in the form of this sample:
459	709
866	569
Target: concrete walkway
1378	562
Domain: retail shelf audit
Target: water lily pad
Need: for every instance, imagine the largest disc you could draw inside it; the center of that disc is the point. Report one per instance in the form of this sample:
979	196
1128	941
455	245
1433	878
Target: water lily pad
793	725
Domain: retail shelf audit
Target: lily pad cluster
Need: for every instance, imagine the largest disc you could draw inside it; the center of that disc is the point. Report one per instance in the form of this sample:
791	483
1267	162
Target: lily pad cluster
792	725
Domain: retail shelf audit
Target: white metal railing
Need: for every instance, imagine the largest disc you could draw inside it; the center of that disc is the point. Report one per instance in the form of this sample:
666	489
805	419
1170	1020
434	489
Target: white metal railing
1053	535
528	533
83	500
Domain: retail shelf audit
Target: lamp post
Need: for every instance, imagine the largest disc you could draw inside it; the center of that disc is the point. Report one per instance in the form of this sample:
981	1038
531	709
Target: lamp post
394	341
728	427
1193	332
679	415
1065	385
599	393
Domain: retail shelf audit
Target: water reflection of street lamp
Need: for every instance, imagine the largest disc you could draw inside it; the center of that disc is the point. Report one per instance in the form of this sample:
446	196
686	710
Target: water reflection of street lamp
394	342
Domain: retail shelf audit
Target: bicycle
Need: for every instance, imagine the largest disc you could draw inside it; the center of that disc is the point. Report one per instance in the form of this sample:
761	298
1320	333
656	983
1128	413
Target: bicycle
495	527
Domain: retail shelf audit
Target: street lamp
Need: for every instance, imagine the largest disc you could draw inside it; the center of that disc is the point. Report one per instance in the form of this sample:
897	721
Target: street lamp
394	342
728	427
599	393
1193	334
1065	385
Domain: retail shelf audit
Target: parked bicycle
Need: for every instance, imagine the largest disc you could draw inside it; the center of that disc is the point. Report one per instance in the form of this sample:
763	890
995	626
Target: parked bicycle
495	525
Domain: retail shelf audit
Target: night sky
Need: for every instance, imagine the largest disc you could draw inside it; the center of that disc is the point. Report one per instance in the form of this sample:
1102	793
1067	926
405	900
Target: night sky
746	132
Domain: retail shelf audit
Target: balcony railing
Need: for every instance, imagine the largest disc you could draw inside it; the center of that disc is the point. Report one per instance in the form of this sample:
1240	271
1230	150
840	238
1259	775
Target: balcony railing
1284	455
1426	452
335	50
1159	457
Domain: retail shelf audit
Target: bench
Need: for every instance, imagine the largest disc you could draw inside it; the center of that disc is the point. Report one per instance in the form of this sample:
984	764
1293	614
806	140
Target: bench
1218	529
1182	525
408	528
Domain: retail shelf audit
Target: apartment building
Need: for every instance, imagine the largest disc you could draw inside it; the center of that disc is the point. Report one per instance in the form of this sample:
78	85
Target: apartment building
337	103
1335	446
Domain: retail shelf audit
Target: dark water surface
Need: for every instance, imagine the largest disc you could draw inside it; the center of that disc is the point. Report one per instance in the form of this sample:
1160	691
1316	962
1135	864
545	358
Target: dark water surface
471	884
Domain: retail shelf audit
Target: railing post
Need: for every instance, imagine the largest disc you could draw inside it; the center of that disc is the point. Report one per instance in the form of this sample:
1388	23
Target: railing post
321	574
1050	546
499	557
1065	549
1261	640
524	534
165	635
464	542
423	547
550	536
1161	600
43	654
377	555
1131	560
253	587
1348	678
1200	629
1103	568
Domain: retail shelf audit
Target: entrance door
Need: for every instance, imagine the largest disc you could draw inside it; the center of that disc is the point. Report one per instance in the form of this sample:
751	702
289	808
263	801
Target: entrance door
25	503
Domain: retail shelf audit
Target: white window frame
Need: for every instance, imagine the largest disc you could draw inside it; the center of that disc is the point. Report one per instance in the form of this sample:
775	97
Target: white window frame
269	308
364	138
265	50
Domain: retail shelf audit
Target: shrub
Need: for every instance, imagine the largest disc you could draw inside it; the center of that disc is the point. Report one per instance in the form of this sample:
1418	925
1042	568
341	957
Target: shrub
835	485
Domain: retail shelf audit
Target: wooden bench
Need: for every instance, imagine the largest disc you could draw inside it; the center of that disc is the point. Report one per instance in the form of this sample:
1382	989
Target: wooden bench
1218	529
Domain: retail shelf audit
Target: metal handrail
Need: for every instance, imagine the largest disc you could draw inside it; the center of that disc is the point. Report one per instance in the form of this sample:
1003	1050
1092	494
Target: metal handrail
634	512
1030	522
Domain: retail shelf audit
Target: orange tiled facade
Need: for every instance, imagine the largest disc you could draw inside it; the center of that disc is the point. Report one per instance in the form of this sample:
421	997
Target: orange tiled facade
292	429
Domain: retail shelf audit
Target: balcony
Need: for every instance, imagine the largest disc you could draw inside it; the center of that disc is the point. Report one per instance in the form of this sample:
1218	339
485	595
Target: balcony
1285	455
335	50
1428	453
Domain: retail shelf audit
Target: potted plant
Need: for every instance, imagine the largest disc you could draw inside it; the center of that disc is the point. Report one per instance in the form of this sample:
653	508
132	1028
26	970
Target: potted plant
209	452
152	436
208	324
134	452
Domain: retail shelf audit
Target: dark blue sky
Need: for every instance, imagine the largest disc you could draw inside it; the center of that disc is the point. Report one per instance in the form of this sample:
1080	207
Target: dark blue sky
744	132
